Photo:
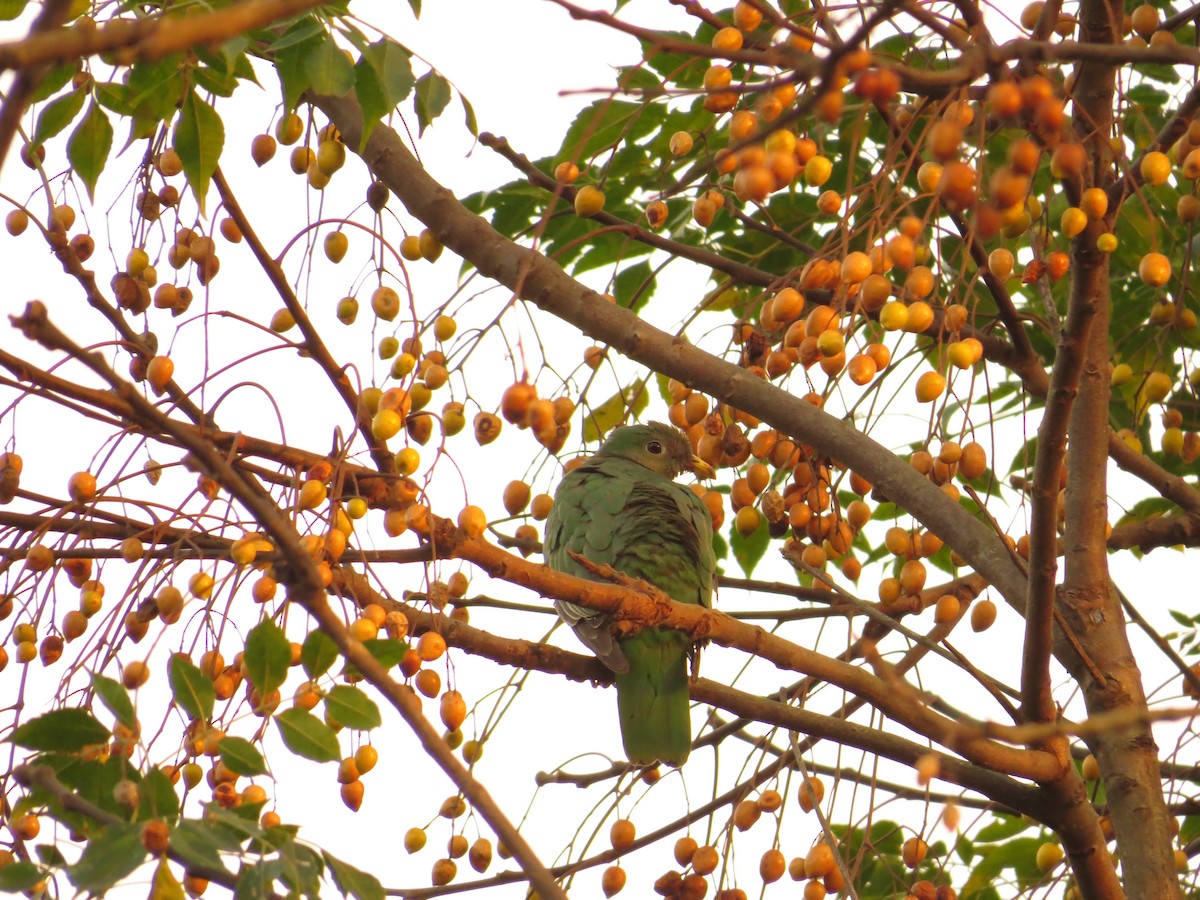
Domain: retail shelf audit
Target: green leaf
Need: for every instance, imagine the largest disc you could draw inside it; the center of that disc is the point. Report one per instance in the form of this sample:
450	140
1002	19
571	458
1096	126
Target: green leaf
241	757
199	139
354	882
64	730
599	126
110	856
720	546
469	114
328	69
1018	854
11	9
369	94
383	78
603	418
88	146
293	74
306	735
165	885
19	876
302	30
191	688
1001	828
198	842
113	695
155	88
1189	829
114	96
92	780
254	882
268	656
223	84
58	114
433	94
634	285
49	855
662	381
392	63
159	800
317	654
301	870
235	825
387	652
351	707
53	82
676	66
750	549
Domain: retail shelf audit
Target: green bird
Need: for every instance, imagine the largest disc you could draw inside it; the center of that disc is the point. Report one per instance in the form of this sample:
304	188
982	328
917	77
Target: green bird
623	508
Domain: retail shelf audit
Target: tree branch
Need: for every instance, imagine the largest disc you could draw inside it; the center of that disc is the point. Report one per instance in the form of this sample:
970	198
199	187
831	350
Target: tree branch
545	284
304	588
148	38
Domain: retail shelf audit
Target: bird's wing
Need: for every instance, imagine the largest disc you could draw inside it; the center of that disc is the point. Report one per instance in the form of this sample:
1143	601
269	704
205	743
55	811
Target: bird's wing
582	520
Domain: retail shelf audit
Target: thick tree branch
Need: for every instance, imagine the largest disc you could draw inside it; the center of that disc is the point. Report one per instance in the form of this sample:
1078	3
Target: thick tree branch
534	278
1128	756
148	38
652	608
1037	702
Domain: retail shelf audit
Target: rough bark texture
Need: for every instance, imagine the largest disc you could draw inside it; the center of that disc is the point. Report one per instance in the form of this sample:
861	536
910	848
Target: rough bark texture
1128	756
1090	608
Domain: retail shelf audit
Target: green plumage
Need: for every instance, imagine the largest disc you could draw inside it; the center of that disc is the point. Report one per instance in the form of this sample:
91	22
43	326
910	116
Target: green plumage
623	508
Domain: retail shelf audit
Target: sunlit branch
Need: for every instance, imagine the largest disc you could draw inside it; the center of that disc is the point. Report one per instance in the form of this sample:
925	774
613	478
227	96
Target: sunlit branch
304	587
546	285
147	38
646	606
1037	702
763	709
17	96
363	481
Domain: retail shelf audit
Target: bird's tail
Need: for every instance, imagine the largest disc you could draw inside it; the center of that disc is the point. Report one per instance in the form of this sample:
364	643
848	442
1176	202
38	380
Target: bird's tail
652	698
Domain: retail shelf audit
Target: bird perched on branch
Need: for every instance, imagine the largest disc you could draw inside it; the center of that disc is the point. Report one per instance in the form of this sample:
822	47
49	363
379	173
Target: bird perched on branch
622	508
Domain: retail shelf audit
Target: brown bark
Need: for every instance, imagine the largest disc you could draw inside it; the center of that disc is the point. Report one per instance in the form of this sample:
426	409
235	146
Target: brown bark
1090	608
1128	756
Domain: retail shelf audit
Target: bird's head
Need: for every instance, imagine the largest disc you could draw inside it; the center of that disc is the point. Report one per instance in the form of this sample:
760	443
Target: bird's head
660	448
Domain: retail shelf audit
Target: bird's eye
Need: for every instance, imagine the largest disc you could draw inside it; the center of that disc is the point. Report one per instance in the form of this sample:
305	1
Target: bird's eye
654	447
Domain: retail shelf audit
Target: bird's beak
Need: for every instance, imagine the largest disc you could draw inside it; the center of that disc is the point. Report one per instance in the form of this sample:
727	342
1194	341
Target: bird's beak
702	469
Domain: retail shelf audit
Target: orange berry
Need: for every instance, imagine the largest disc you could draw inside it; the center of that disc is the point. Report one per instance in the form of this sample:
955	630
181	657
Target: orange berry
621	835
589	201
1154	269
811	793
705	860
431	646
612	881
930	386
983	614
913	852
1155	167
772	865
